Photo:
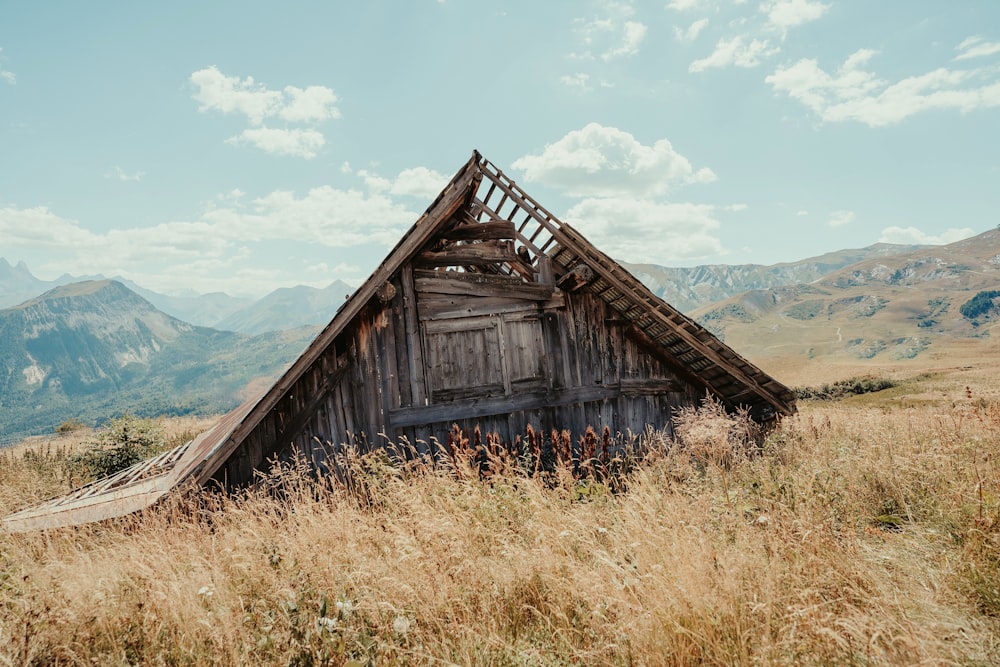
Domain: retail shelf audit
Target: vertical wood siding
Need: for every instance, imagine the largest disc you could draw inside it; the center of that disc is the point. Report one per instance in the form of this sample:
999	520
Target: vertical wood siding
413	367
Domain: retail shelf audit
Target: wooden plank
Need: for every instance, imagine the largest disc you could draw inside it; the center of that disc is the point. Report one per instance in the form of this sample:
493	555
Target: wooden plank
414	341
297	421
459	324
499	405
466	276
649	386
478	254
455	307
486	288
481	231
402	391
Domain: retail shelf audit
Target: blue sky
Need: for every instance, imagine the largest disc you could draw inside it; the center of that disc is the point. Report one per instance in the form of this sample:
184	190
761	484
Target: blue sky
246	146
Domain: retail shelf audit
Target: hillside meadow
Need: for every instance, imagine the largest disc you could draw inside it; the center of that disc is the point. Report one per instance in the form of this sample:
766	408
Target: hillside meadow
864	531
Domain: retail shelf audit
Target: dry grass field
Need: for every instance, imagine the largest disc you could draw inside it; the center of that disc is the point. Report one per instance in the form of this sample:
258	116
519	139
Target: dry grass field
864	531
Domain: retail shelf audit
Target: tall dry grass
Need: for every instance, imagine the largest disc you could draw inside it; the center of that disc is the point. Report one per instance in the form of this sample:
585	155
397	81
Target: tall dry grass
851	536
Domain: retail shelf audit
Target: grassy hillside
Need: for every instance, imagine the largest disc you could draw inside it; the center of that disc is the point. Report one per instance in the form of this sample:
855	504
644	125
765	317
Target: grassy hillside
865	532
931	304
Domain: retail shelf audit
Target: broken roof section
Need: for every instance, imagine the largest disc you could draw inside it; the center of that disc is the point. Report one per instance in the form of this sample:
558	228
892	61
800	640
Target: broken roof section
479	196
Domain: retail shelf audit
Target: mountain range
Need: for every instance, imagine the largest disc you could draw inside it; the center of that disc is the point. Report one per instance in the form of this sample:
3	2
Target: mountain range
889	308
284	308
90	349
94	349
689	288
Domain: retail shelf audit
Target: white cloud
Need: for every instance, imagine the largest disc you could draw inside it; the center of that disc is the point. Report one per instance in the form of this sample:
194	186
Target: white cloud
639	230
633	34
690	33
419	182
785	14
295	142
579	80
974	47
912	235
376	184
230	94
611	35
325	215
735	52
122	175
40	227
685	5
315	103
213	251
606	161
736	207
6	75
802	212
841	218
855	94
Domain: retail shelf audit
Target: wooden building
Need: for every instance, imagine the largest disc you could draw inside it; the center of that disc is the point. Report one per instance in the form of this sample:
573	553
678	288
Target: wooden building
490	312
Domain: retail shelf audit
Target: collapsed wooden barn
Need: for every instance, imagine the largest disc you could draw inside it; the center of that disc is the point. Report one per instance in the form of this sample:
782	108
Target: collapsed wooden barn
490	312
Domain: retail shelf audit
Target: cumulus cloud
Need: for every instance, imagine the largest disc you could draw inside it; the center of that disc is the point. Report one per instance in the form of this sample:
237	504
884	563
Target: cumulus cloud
212	251
785	14
419	182
314	103
296	142
912	235
975	47
325	215
841	218
690	33
639	230
606	161
229	94
40	227
685	5
610	35
853	93
735	51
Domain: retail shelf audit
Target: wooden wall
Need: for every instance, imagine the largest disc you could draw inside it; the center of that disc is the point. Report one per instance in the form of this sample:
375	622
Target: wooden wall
474	350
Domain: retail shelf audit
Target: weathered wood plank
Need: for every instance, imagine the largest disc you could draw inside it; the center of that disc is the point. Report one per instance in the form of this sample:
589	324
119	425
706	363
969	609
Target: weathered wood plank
479	254
451	307
485	288
473	408
414	341
481	231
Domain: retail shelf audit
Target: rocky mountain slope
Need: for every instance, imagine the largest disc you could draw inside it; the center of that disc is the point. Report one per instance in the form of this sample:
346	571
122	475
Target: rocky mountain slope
689	288
887	308
95	348
282	309
288	308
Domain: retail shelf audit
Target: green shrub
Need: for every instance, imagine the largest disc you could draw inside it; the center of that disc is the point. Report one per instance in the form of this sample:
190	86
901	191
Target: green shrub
70	425
852	387
123	442
978	305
